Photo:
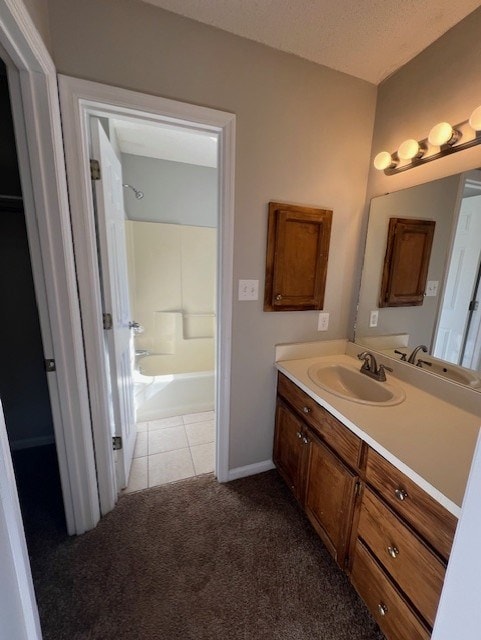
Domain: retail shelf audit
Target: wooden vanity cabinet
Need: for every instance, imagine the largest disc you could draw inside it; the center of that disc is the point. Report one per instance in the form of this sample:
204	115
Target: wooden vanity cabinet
383	529
404	538
318	458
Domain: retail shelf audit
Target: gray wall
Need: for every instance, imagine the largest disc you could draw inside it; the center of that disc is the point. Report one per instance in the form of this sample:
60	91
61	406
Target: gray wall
38	10
174	192
303	136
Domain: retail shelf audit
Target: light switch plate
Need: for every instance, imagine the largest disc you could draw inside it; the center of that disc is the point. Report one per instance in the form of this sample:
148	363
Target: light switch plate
323	322
248	289
432	288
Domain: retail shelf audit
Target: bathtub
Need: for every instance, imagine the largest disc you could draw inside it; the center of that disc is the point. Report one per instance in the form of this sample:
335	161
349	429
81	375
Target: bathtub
163	396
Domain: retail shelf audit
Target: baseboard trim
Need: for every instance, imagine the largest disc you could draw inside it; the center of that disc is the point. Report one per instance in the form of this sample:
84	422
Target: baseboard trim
250	469
29	443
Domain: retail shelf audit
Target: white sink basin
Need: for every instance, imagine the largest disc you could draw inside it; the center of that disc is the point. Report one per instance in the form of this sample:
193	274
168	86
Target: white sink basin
349	383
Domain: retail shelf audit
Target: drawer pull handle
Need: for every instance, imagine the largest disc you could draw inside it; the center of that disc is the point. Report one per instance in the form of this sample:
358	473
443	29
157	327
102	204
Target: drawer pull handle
382	608
393	551
299	434
306	409
401	494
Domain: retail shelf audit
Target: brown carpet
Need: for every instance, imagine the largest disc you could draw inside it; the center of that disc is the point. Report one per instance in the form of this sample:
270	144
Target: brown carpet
196	560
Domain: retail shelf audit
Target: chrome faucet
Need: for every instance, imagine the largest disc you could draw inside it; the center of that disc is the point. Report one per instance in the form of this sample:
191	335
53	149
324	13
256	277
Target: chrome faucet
412	357
371	368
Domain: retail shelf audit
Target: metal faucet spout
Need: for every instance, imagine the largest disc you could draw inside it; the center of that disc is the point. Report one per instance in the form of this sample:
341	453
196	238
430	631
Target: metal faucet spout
412	357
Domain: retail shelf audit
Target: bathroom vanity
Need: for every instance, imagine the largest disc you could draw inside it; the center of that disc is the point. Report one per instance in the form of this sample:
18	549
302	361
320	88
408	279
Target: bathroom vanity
381	482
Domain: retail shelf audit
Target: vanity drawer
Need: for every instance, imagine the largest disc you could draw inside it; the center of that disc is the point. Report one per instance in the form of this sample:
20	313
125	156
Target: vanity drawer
390	610
426	515
416	569
334	433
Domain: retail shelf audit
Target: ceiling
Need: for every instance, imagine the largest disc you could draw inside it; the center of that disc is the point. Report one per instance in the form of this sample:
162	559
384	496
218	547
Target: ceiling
369	39
166	142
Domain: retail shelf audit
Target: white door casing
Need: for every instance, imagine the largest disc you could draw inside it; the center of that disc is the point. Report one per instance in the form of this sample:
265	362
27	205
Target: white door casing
460	281
109	200
81	100
35	105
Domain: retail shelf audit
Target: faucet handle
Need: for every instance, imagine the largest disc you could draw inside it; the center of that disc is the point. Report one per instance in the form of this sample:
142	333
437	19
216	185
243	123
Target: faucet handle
421	362
402	354
381	372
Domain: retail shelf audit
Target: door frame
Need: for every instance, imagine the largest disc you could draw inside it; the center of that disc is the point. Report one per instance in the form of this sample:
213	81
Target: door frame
35	105
79	100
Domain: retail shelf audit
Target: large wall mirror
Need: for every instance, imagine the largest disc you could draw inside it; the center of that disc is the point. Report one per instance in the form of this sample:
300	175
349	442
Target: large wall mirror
448	321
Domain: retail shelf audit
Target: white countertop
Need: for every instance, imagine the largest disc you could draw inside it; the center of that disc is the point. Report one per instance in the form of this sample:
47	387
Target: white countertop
427	438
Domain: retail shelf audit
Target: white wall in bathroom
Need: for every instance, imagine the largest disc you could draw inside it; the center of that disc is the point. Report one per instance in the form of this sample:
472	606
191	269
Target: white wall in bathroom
172	278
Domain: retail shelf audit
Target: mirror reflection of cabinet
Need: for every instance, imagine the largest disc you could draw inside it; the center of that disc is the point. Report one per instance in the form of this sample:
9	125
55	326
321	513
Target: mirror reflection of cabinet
297	254
406	262
450	273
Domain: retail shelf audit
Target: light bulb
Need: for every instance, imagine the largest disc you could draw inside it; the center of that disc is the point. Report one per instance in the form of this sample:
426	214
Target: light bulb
475	119
383	160
409	149
441	134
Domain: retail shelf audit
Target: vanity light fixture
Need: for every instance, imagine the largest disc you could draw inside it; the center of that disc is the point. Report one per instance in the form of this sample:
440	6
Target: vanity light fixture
410	149
443	133
443	139
475	119
384	160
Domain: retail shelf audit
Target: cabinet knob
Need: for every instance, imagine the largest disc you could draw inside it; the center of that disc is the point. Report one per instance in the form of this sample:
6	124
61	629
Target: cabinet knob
382	608
299	434
306	409
279	296
400	494
305	439
393	551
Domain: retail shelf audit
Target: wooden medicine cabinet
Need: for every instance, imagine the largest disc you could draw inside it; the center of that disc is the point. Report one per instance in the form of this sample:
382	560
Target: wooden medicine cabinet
406	263
297	255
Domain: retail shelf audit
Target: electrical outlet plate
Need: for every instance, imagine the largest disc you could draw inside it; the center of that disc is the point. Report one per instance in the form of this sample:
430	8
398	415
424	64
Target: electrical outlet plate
248	289
323	322
373	318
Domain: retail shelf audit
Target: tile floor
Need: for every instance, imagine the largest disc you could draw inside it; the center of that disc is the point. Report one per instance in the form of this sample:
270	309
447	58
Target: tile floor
171	449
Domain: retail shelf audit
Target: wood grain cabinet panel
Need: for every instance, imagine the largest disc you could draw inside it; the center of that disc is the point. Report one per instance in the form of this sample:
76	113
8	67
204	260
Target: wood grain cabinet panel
423	513
297	256
338	437
417	571
406	262
329	498
289	449
387	605
309	448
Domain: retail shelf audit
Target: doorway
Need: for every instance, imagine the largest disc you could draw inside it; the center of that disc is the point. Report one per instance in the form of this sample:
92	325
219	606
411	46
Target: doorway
24	388
459	327
157	220
80	101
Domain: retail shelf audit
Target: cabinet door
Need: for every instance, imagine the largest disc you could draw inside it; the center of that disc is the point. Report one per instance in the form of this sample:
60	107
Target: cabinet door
297	255
406	262
329	498
290	448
